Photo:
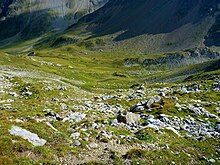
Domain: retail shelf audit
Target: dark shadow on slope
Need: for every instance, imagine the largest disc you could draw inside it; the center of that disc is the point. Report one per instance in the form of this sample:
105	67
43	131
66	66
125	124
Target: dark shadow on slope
9	28
29	25
213	37
137	17
209	72
214	66
4	6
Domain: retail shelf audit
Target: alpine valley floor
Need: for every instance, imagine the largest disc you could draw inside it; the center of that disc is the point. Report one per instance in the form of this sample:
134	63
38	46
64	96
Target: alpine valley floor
72	105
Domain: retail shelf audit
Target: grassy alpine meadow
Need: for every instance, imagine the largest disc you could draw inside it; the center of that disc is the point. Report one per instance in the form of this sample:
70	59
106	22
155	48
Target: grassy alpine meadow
41	92
109	82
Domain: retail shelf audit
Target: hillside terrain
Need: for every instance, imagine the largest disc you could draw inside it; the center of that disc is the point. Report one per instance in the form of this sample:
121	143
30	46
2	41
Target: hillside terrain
155	26
35	17
88	107
118	82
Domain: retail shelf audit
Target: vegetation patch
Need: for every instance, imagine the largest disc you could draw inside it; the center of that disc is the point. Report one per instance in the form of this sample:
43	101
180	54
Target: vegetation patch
144	135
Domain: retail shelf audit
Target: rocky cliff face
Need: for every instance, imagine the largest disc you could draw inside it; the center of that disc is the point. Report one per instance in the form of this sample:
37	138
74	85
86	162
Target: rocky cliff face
37	16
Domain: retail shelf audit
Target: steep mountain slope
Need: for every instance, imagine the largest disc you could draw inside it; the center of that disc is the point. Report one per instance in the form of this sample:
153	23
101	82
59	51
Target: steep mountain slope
163	25
213	37
33	17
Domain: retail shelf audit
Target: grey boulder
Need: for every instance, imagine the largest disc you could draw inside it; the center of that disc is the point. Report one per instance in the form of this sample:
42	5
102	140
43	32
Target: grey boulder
31	137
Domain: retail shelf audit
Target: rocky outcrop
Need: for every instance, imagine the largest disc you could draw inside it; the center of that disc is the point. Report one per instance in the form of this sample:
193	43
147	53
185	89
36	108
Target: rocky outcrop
174	60
186	58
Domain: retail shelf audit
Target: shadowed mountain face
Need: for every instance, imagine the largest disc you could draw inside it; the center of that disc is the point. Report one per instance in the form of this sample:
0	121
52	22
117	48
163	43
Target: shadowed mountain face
149	25
213	37
136	17
4	7
33	17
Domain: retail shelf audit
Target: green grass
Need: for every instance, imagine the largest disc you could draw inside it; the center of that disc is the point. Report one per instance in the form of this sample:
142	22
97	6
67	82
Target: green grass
178	152
93	69
87	73
144	135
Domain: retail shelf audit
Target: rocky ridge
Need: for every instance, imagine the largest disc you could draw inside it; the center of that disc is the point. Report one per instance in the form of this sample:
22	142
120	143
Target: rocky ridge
176	60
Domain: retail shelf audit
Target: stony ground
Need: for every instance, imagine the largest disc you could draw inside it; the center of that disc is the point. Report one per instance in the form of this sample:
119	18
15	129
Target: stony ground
148	123
74	106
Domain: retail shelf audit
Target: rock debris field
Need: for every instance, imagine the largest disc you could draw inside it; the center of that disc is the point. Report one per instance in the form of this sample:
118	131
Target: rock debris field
141	117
